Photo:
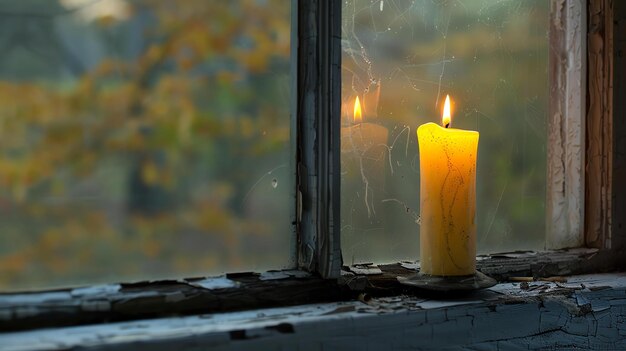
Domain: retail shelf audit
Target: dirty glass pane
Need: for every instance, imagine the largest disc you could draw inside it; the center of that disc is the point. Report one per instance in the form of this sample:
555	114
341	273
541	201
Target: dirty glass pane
142	139
401	58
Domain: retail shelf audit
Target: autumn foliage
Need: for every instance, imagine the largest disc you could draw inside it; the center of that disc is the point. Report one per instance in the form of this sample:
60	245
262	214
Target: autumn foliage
136	143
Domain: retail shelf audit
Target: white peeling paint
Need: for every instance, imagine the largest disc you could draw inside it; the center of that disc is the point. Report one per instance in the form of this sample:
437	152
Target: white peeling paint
96	290
566	131
220	282
411	265
487	321
11	300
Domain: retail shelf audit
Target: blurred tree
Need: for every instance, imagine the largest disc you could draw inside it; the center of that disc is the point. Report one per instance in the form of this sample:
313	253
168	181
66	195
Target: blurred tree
127	140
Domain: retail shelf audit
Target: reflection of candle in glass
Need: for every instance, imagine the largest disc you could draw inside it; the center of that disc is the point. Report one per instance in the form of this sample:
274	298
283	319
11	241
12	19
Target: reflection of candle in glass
363	151
362	136
447	198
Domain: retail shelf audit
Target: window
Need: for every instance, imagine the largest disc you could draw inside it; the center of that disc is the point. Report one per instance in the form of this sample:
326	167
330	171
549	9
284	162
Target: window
175	140
401	58
143	140
316	137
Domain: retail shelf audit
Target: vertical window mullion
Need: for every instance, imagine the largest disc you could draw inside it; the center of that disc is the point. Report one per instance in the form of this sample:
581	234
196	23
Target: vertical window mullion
566	122
598	128
618	126
318	108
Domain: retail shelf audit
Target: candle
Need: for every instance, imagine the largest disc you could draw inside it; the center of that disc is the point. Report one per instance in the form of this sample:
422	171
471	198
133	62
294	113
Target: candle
447	198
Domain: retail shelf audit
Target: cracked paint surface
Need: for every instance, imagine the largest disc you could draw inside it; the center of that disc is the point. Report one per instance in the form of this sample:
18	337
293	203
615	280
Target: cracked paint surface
585	312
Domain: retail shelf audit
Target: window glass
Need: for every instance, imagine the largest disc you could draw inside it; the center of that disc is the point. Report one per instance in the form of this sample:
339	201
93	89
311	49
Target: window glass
143	139
401	58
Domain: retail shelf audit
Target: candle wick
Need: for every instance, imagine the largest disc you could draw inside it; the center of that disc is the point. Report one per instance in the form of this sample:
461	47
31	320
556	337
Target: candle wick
447	125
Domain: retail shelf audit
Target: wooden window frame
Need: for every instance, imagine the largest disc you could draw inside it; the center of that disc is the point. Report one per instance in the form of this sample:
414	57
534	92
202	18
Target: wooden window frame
581	128
318	106
566	119
580	199
583	208
586	202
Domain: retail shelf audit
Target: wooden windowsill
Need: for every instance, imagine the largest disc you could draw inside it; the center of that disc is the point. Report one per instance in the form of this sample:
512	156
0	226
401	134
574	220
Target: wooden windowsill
246	291
584	312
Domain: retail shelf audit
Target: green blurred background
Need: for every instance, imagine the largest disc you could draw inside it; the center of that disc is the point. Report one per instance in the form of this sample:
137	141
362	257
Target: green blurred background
403	57
143	139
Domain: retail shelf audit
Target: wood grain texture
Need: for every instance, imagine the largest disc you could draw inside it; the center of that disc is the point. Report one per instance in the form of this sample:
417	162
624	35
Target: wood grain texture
599	125
236	292
584	313
120	302
318	133
618	165
567	71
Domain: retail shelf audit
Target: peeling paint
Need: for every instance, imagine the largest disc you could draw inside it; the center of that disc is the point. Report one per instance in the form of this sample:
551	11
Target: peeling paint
9	300
411	265
505	317
220	282
566	118
96	290
283	274
365	269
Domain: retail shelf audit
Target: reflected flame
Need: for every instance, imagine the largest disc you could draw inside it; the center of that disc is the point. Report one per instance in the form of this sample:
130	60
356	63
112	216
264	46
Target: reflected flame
446	119
357	117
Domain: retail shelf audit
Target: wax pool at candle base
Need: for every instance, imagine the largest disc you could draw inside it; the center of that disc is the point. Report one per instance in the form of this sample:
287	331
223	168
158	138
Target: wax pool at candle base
447	200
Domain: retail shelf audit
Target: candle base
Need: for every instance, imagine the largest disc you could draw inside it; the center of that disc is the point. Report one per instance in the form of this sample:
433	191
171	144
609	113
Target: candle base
475	281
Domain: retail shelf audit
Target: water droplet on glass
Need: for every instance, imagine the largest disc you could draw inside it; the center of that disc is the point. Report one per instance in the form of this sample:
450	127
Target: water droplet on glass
274	183
418	221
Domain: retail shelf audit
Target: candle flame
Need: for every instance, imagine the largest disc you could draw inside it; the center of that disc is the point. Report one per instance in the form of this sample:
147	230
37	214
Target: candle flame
446	118
357	118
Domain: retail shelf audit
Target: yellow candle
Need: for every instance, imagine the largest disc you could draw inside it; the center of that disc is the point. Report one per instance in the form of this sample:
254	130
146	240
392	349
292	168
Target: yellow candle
447	198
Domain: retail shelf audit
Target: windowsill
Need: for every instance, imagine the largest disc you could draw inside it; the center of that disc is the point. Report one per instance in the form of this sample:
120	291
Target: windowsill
586	312
253	291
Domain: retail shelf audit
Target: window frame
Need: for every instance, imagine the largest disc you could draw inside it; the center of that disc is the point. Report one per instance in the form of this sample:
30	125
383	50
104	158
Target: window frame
319	275
580	125
565	190
600	155
318	123
584	138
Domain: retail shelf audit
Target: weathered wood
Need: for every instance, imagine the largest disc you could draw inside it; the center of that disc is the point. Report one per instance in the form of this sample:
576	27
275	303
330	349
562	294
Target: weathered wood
293	135
318	132
233	292
118	302
599	125
504	266
618	186
565	145
587	312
